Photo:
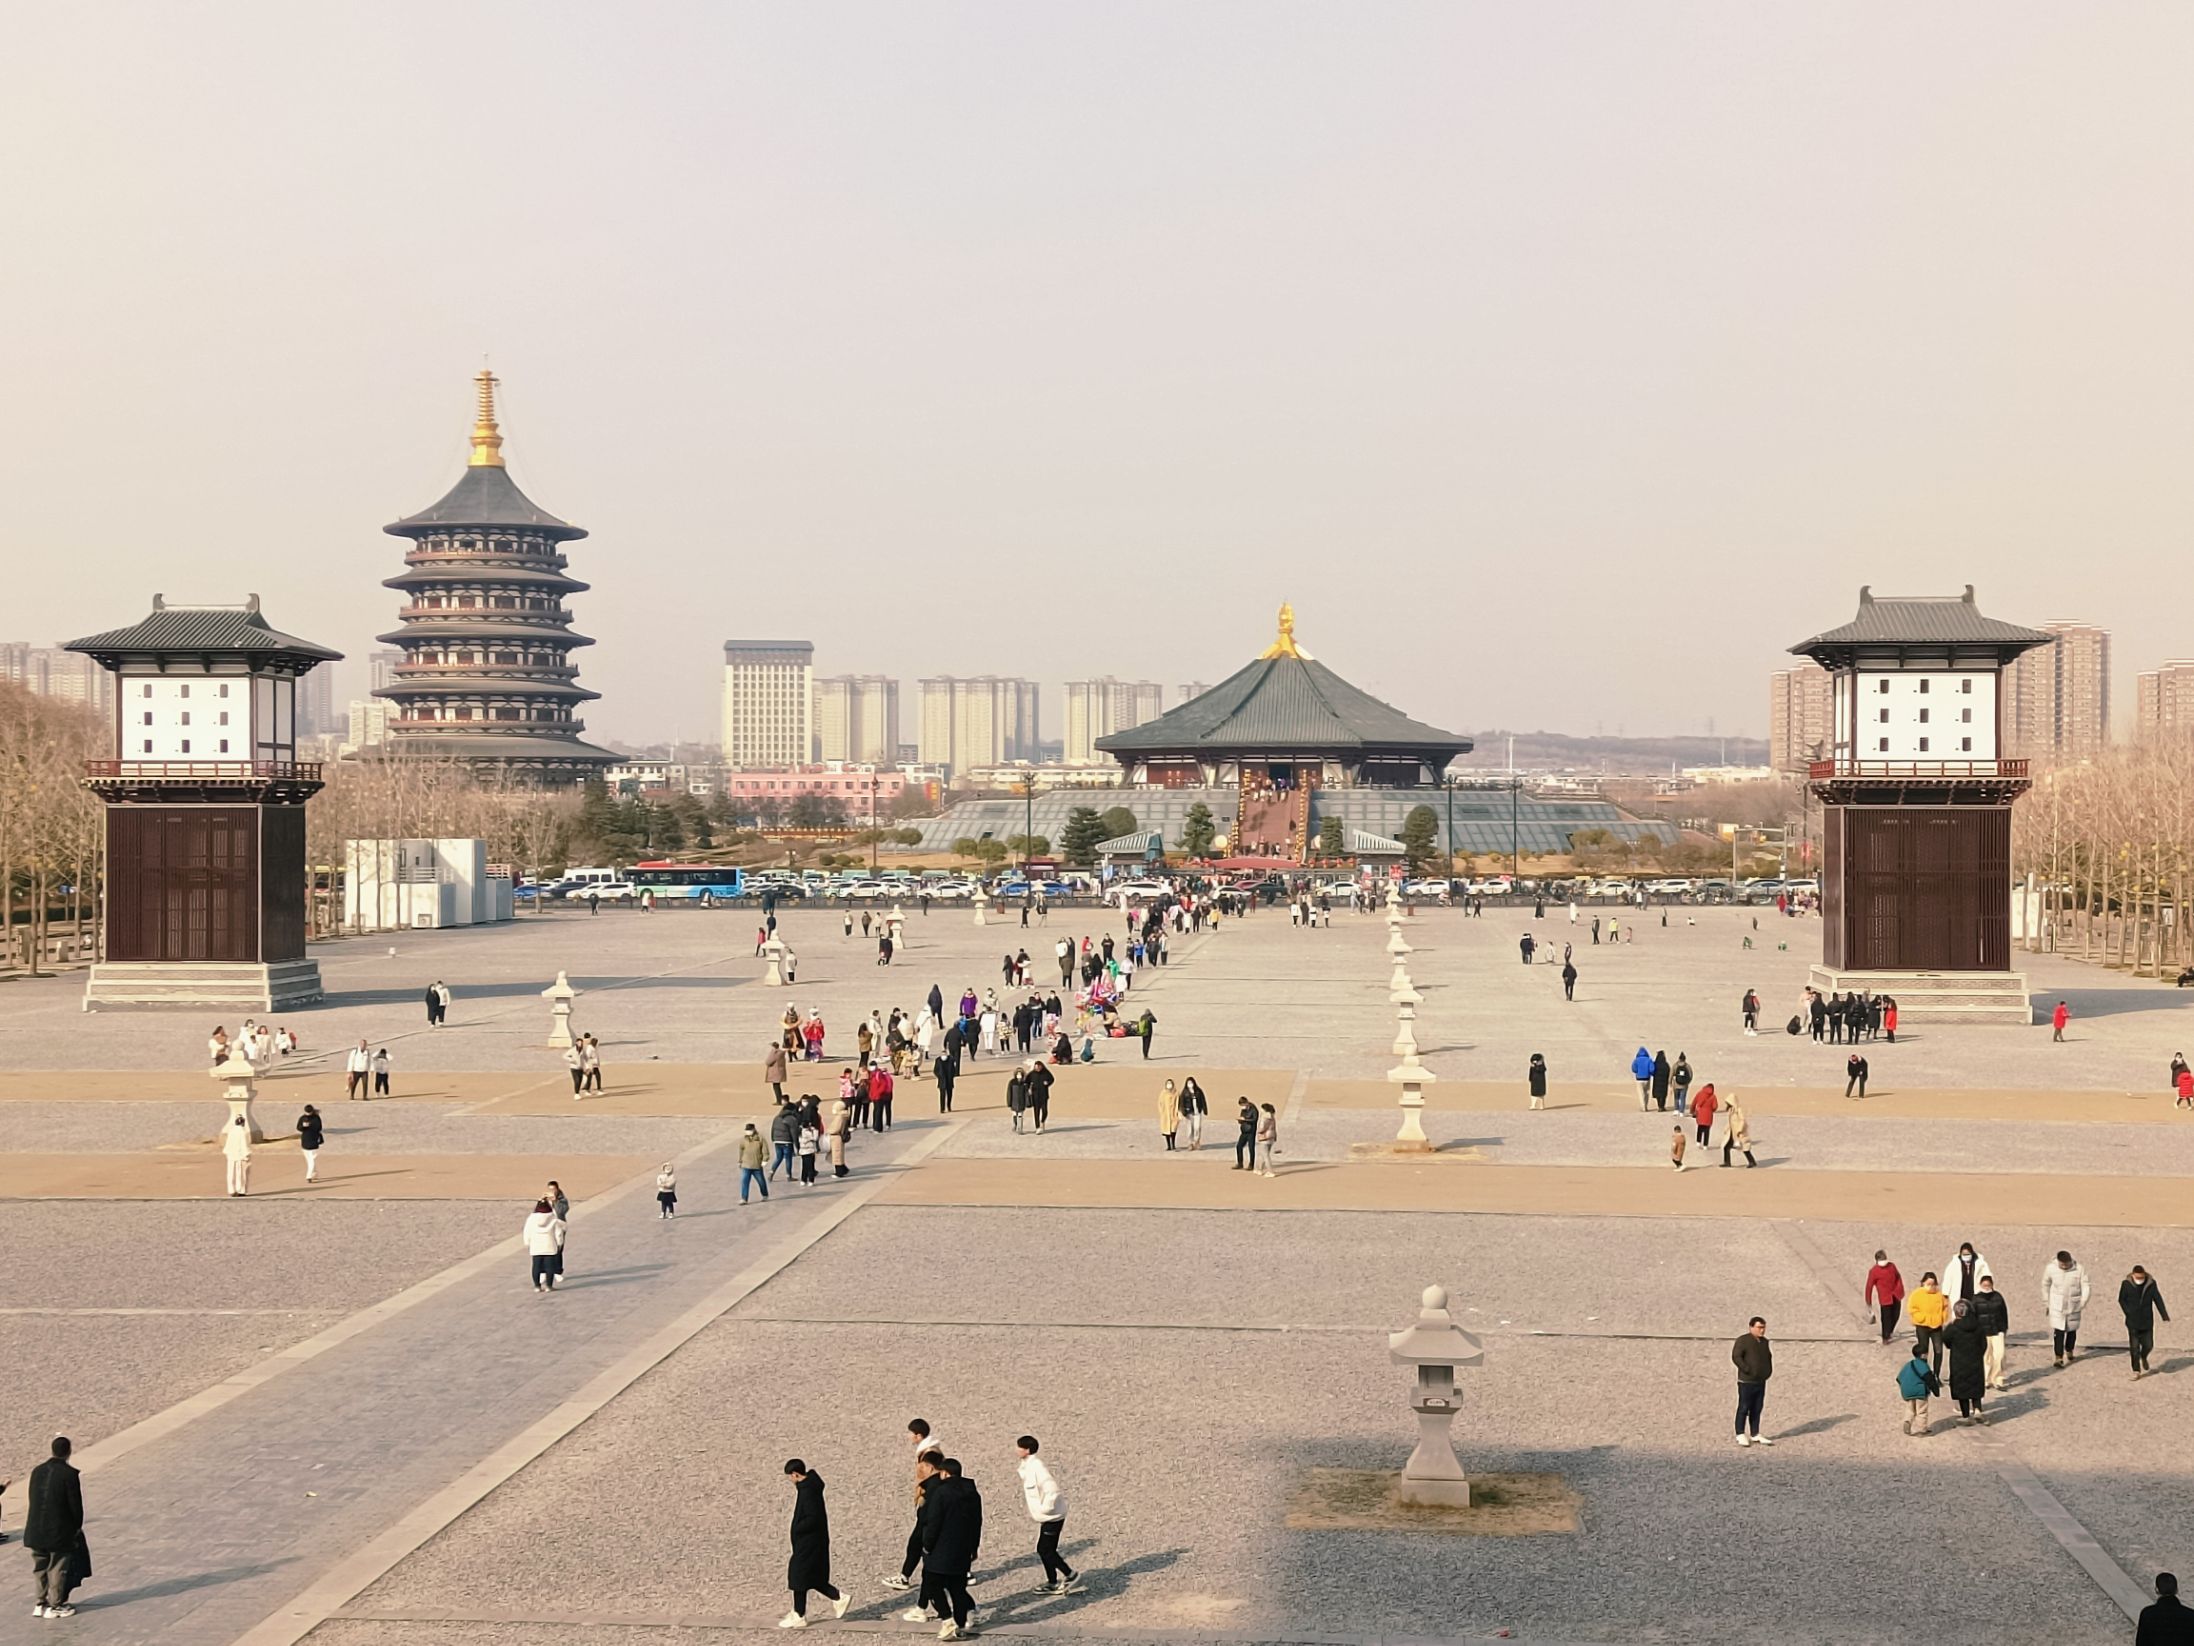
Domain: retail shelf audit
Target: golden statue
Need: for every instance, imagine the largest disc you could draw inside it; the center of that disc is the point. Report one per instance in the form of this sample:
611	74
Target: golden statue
1285	646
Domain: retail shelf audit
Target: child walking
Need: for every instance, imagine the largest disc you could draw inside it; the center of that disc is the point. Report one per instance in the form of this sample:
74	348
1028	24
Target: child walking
811	1139
666	1191
1676	1146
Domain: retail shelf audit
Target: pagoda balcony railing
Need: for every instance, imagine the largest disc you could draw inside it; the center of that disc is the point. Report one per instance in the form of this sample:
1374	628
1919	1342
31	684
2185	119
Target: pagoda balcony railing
549	616
444	671
203	771
1924	771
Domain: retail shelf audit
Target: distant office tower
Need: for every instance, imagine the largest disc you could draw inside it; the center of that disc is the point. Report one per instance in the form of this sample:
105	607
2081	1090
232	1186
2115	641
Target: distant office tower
2164	701
1799	723
980	720
1193	688
316	702
2057	703
769	688
49	671
381	667
1098	708
857	717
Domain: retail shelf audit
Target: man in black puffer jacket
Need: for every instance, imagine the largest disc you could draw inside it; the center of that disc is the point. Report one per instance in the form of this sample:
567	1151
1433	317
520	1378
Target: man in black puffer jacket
952	1537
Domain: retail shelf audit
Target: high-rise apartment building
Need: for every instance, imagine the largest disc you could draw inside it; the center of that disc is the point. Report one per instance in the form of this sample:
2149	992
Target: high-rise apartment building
1098	708
769	689
979	720
1800	717
2057	697
1189	689
366	724
381	668
48	671
2163	701
857	717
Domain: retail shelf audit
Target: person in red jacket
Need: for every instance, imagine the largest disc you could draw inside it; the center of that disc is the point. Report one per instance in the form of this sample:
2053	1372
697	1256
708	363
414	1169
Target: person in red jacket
1885	1288
2058	1019
1702	1111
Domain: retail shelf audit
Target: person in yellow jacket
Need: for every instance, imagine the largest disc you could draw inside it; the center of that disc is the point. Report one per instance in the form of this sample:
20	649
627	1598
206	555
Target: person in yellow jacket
1929	1311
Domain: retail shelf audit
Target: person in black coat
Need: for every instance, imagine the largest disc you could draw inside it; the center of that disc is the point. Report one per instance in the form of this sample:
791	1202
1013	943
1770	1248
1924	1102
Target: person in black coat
2167	1622
1535	1077
952	1537
2140	1302
809	1567
53	1531
1967	1344
1660	1081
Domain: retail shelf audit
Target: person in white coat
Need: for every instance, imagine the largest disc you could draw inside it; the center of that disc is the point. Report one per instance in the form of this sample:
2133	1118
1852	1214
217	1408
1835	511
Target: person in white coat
543	1235
1047	1506
2064	1295
236	1147
1963	1274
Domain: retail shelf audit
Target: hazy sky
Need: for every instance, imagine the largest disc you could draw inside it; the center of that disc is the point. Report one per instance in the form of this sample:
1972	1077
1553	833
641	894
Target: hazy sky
1561	362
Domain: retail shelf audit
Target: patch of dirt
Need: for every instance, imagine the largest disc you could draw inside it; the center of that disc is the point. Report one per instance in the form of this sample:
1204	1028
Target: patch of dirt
1367	1500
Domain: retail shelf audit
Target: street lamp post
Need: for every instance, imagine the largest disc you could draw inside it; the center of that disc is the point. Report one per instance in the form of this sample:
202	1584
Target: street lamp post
1028	818
1449	777
1515	854
872	825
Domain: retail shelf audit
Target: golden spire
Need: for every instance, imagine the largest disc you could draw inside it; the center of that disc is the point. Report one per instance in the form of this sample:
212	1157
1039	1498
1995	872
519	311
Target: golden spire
487	443
1285	646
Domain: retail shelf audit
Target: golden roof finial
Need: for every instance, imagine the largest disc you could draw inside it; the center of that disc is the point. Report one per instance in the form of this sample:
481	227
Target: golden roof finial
1285	646
487	442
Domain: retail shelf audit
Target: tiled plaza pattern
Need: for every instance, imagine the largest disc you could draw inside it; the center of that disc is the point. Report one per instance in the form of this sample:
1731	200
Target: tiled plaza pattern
337	1411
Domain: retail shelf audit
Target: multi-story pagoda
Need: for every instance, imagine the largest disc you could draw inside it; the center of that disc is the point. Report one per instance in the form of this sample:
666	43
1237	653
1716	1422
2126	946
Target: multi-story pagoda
487	677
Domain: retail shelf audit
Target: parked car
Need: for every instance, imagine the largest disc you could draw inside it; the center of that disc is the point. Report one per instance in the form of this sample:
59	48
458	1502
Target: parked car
951	890
609	891
1135	891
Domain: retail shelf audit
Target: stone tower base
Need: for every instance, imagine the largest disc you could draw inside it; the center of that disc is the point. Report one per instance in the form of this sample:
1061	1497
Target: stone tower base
234	985
1938	997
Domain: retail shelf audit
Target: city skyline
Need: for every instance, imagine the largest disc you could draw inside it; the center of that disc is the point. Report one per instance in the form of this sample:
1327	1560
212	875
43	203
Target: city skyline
1661	327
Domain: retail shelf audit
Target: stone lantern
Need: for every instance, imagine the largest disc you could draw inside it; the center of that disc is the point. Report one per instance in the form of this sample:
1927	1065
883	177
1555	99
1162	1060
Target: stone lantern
1435	1345
774	951
560	995
982	905
240	1084
895	926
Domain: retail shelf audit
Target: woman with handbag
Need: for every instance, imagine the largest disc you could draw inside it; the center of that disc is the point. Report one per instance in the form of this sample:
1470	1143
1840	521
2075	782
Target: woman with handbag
1193	1109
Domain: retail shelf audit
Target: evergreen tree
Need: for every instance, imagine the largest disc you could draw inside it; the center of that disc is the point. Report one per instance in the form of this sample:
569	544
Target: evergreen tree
1332	837
1198	831
1420	829
1078	840
1118	820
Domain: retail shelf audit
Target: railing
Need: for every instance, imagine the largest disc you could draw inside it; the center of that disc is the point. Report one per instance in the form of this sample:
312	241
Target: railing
1938	770
219	771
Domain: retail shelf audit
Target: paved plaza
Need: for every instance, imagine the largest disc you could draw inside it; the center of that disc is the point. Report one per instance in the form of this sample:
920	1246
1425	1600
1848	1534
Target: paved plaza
336	1412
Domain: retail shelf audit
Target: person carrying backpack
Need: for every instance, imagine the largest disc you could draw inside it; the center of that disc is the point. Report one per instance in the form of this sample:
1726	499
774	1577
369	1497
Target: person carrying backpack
1916	1381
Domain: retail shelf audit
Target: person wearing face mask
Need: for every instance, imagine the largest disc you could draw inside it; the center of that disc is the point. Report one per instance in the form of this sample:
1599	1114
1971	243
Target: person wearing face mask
1963	1274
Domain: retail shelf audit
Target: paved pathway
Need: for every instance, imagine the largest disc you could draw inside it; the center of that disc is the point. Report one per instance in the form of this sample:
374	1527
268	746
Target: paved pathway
217	1518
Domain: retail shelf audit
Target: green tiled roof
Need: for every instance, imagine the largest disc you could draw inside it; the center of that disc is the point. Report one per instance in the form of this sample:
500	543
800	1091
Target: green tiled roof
196	629
486	496
1278	704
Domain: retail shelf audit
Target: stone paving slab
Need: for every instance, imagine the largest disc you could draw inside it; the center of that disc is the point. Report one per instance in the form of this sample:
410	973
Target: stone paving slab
1464	1185
683	985
394	1414
1837	1142
1180	1452
277	1170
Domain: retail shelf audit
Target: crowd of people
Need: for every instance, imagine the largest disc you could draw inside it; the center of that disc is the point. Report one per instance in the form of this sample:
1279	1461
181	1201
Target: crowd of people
944	1544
